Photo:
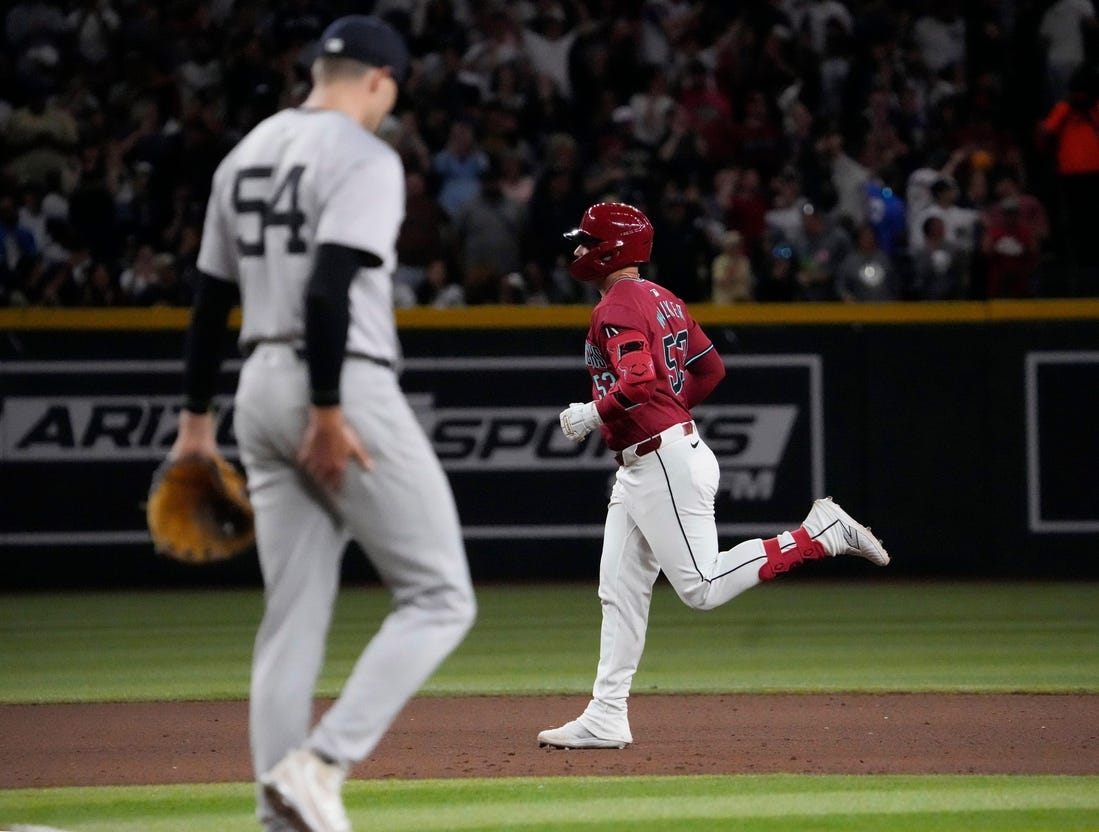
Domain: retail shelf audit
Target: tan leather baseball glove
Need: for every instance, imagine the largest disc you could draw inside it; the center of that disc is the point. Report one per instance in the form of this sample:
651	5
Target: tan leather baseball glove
198	510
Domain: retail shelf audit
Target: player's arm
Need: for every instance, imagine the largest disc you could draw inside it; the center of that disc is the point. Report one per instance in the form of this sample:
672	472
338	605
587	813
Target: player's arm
633	365
629	357
328	440
327	317
359	220
202	356
704	373
216	293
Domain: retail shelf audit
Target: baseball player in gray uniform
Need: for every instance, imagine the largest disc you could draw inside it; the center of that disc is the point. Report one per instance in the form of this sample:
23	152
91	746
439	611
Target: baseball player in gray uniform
303	219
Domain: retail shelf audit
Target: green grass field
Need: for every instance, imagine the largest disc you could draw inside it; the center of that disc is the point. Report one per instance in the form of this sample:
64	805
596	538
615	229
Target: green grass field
791	637
656	804
795	636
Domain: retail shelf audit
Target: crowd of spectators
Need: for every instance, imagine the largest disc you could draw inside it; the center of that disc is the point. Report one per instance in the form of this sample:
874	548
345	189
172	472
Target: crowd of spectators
784	149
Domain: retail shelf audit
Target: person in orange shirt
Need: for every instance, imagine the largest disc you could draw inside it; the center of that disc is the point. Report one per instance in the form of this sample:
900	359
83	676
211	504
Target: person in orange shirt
1071	131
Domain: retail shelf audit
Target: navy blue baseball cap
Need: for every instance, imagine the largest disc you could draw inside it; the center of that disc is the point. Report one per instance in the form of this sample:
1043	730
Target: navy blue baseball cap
368	39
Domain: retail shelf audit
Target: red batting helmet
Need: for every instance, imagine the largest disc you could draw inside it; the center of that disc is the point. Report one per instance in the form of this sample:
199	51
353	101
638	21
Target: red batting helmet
616	235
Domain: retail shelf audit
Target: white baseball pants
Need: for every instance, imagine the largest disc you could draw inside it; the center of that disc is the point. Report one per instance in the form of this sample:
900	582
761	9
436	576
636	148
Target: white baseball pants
660	519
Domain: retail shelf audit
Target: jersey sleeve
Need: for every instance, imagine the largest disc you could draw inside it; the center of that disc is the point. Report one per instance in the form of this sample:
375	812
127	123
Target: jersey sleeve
613	319
216	254
609	321
365	209
704	372
698	342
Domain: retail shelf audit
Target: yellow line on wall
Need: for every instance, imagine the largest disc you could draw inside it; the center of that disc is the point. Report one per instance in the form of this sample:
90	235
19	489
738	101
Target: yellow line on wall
528	317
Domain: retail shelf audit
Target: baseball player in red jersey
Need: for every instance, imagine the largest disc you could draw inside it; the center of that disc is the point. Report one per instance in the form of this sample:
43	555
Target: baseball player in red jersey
650	363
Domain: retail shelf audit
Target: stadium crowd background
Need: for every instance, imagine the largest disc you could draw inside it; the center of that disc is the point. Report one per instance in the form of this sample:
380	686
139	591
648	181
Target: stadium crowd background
784	149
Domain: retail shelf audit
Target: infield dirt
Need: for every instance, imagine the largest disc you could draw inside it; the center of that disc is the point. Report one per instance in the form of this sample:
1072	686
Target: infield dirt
489	736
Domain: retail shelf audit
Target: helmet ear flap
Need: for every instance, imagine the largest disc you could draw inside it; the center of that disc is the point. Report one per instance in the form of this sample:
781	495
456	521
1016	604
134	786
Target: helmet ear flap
616	235
598	262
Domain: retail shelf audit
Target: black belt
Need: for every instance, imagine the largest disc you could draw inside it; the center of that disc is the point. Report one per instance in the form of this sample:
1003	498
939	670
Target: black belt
361	356
249	348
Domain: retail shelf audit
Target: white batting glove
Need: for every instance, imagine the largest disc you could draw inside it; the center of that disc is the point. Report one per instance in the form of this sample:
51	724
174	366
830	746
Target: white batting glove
579	420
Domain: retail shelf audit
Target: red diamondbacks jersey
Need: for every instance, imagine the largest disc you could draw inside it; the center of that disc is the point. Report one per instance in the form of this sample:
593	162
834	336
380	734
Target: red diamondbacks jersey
675	340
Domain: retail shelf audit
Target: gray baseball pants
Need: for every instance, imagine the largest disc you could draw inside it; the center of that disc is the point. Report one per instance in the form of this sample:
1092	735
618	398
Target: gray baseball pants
401	513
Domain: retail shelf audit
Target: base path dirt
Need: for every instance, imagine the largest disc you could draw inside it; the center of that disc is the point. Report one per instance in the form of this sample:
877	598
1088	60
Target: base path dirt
203	742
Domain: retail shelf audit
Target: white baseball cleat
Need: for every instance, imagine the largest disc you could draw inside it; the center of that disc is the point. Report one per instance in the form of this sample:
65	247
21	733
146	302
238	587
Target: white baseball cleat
305	790
840	534
574	735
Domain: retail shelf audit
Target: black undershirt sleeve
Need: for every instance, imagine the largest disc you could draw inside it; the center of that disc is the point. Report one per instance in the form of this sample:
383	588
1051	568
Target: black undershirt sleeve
327	317
204	345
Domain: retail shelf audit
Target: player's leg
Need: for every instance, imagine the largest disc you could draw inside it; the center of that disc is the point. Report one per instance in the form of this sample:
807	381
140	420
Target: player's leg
627	572
671	493
299	545
300	548
403	515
